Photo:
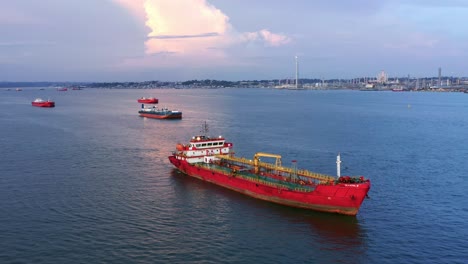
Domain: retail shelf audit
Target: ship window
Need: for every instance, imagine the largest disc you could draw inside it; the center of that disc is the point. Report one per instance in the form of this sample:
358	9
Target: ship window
216	144
198	145
203	145
210	144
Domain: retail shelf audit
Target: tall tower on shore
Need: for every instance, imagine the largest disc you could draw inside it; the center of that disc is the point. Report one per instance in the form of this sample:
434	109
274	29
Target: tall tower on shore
297	74
439	83
382	77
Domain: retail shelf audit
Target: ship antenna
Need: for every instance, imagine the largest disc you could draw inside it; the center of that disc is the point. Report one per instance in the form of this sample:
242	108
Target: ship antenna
204	130
338	165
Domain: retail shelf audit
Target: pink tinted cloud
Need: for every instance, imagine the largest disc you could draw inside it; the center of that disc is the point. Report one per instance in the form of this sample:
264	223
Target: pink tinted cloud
193	28
187	27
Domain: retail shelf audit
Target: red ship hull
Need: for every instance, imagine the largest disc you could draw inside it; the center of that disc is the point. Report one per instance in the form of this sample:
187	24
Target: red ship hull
148	101
44	104
158	116
341	198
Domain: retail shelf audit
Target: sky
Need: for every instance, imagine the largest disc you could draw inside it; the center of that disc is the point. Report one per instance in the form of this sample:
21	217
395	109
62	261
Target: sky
178	40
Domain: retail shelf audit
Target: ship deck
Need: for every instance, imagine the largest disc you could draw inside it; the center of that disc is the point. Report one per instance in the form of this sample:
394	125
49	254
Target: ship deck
264	179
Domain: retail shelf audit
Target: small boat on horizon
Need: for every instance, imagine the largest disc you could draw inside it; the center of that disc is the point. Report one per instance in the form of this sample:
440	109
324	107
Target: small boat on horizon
398	89
63	89
149	100
42	103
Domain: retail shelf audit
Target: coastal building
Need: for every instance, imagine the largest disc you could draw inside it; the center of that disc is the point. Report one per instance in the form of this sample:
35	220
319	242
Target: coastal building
382	77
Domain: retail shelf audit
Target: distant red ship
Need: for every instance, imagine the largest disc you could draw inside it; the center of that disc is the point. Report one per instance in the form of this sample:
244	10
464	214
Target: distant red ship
212	160
150	100
42	103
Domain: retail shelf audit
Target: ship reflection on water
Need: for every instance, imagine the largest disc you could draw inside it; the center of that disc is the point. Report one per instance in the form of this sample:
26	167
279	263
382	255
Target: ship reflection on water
325	231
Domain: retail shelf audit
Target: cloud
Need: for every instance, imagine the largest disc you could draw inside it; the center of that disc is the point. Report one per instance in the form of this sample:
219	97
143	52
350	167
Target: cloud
135	7
210	34
193	28
185	28
269	38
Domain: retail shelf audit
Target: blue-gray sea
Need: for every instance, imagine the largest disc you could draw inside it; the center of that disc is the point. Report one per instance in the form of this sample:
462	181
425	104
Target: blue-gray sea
89	180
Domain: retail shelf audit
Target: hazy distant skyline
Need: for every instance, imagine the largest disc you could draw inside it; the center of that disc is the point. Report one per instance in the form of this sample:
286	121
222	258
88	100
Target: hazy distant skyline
176	40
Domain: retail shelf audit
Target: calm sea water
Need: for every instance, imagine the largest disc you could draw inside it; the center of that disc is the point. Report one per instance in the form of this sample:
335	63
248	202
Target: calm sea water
89	181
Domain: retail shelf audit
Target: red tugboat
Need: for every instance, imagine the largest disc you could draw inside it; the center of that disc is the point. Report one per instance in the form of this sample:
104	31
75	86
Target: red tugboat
212	160
42	103
150	100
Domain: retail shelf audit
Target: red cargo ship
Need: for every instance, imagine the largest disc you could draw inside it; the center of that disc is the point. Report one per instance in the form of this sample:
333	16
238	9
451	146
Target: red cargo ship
150	100
212	160
42	103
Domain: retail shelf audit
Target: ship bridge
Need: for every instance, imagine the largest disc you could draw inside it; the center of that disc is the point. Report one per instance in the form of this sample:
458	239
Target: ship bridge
201	142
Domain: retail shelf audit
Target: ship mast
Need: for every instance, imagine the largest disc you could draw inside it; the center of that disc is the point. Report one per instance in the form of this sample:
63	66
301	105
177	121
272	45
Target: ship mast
204	130
338	165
